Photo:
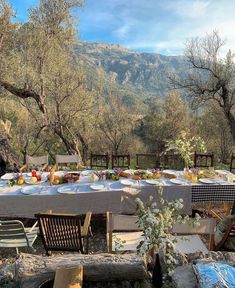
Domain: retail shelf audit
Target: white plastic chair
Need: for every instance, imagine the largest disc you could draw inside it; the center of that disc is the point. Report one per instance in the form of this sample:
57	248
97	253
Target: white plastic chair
13	234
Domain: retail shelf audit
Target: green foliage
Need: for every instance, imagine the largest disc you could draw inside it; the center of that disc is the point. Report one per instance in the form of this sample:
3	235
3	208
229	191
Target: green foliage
157	222
185	146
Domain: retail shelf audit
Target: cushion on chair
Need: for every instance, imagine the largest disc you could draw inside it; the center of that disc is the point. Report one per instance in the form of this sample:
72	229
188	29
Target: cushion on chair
190	244
221	229
126	241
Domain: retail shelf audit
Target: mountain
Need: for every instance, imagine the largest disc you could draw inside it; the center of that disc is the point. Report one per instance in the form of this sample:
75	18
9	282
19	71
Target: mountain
142	74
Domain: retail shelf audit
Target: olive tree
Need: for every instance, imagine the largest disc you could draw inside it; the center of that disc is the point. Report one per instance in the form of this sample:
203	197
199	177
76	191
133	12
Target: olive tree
44	74
210	77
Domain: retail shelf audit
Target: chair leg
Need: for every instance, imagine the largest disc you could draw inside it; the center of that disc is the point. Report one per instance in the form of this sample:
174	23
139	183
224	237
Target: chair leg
87	245
17	250
49	253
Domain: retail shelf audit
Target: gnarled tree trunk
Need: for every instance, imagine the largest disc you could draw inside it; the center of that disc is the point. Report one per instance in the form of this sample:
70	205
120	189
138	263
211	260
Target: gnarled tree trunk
9	161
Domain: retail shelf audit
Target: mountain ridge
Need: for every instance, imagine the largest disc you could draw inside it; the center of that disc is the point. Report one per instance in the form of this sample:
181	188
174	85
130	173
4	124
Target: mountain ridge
142	73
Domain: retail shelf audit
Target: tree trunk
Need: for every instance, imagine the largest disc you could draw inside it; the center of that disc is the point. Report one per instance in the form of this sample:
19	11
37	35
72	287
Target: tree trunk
34	269
9	161
231	122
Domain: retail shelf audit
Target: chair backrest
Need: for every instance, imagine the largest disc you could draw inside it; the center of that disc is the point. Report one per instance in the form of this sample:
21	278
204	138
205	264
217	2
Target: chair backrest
230	232
203	160
171	161
60	232
232	163
145	161
36	161
99	161
67	159
205	227
119	223
121	161
13	231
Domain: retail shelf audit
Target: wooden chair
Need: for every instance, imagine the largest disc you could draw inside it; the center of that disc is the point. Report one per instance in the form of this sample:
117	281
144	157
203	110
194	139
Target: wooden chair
99	161
124	230
145	161
121	161
219	213
13	234
64	232
202	160
123	233
232	163
67	159
230	232
39	162
191	242
171	161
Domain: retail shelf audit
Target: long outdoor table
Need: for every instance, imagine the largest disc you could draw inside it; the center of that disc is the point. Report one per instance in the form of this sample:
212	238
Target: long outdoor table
114	197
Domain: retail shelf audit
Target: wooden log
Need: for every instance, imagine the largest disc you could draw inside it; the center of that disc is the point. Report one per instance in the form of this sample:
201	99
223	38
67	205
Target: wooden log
34	269
69	277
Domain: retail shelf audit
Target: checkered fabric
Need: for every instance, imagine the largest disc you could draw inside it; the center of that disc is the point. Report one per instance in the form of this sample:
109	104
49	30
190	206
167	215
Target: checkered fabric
213	193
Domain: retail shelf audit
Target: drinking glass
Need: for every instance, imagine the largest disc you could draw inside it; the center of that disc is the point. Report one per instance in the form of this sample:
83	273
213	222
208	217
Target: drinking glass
230	178
194	178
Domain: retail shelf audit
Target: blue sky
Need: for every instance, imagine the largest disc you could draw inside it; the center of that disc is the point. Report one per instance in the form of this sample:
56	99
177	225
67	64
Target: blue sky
161	26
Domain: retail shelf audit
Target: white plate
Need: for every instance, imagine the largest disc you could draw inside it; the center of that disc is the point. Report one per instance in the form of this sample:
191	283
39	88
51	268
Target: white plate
168	171
67	189
128	182
97	187
207	181
129	171
28	190
3	183
152	181
87	172
27	181
178	181
223	172
8	176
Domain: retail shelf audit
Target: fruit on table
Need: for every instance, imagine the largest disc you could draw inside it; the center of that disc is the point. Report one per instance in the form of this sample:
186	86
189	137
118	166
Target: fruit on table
56	181
33	180
11	182
20	181
39	177
115	177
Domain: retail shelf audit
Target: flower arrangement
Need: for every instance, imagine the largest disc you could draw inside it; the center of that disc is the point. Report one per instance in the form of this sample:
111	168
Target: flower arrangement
157	224
185	146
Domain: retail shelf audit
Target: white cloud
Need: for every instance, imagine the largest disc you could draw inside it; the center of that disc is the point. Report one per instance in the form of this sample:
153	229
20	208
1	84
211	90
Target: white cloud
159	26
189	8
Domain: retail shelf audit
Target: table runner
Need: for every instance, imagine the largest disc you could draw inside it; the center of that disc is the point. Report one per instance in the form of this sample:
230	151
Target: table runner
213	193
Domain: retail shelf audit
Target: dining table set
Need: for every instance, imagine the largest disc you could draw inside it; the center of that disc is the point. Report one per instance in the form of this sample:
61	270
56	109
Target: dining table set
26	196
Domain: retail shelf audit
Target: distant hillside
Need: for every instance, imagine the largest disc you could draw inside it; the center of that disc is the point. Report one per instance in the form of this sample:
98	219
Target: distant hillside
143	74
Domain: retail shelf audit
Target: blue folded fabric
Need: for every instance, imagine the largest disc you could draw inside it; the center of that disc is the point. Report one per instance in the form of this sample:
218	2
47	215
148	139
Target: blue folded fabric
214	275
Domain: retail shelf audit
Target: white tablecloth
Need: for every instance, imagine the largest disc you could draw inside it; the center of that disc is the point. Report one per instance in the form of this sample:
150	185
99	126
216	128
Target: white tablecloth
15	204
